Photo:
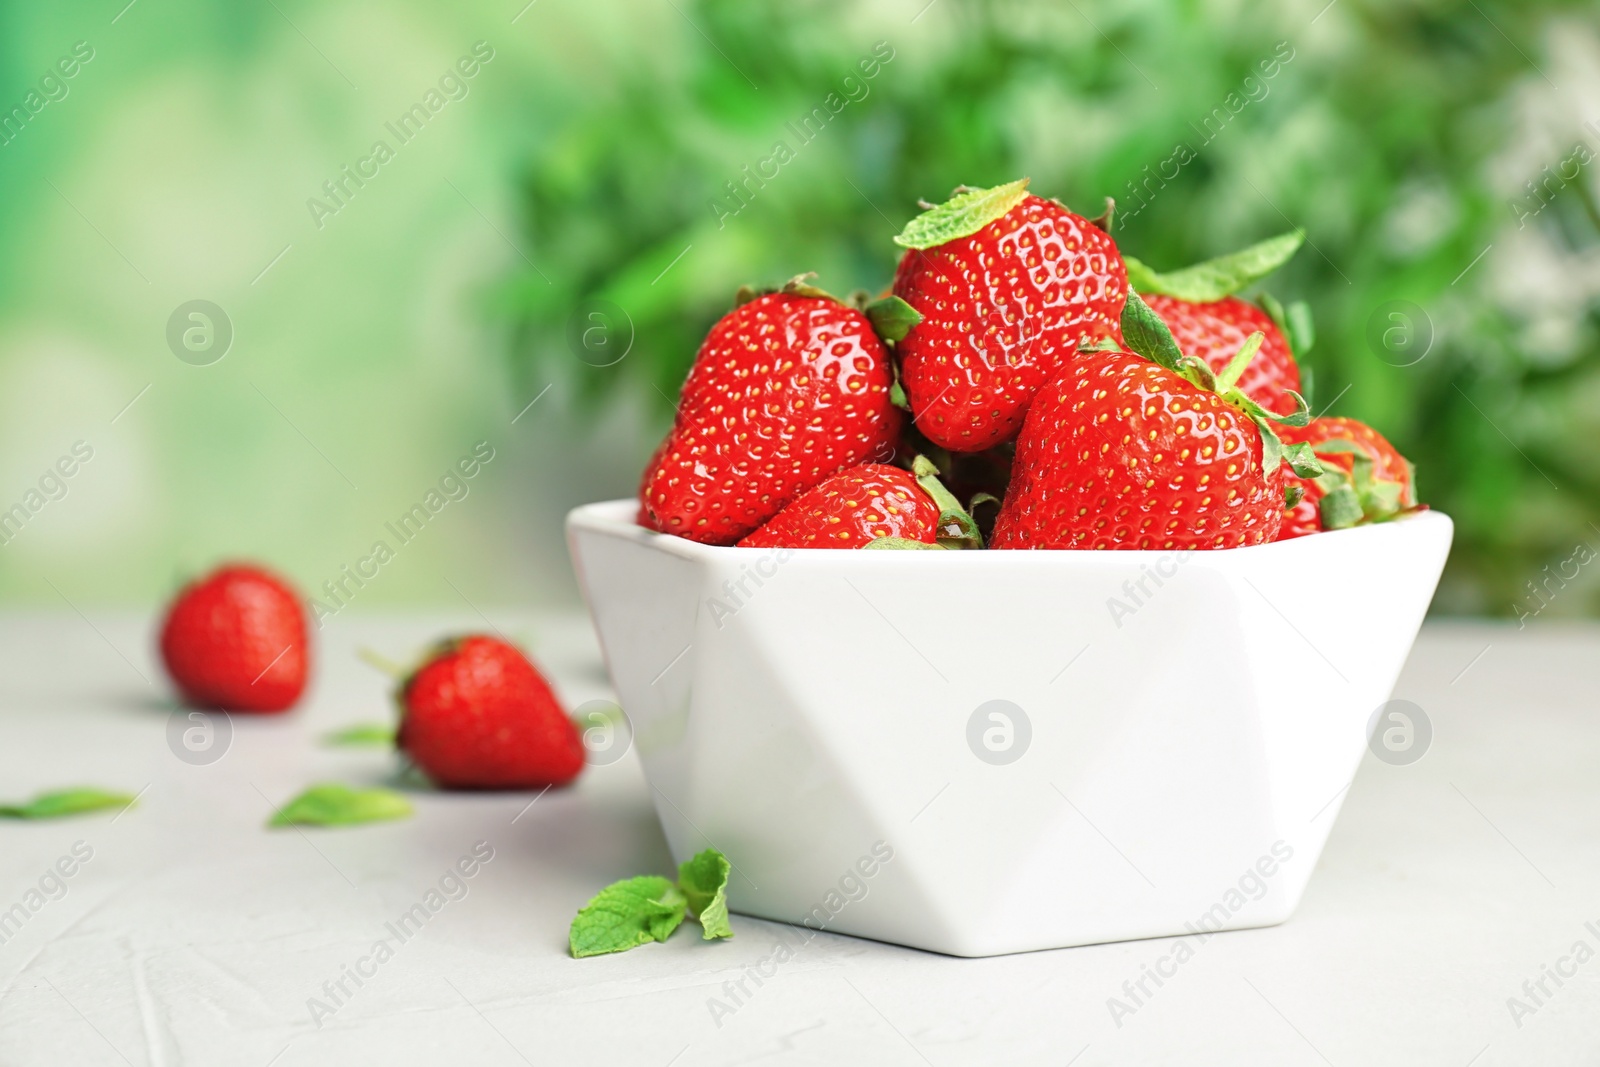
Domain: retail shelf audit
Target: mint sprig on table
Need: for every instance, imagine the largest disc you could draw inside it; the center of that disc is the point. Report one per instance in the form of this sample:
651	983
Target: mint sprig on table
62	802
339	805
637	911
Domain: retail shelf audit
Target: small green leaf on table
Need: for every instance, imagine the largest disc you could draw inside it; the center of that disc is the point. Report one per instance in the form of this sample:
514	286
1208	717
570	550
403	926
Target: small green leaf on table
637	911
704	882
627	914
62	802
333	804
361	734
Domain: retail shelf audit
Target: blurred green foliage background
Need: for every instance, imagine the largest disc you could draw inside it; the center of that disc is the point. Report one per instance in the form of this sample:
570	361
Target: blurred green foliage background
617	169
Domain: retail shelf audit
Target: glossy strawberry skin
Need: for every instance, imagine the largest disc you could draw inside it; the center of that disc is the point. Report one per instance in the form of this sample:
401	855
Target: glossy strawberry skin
236	640
479	715
1214	333
786	391
1003	311
1303	518
1121	453
850	510
643	516
1388	465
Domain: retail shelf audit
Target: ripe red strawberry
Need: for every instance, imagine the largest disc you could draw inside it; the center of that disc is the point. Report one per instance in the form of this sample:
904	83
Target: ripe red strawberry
1210	323
643	517
788	389
478	715
852	509
1124	453
1364	479
1213	331
236	641
1303	518
1008	286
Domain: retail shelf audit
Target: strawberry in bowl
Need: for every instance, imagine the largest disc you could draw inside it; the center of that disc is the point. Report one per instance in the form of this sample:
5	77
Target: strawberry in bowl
860	677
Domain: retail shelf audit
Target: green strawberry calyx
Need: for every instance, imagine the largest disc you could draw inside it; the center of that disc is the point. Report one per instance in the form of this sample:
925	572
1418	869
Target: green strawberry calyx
799	285
964	214
1214	279
1357	497
1148	336
891	317
957	528
1104	220
900	544
1293	320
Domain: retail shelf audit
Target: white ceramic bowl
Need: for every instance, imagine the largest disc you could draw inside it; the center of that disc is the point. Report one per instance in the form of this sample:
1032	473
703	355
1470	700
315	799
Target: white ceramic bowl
988	752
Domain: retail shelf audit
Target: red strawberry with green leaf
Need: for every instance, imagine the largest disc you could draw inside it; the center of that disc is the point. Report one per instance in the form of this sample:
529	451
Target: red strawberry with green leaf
869	503
1210	323
1364	479
1130	452
236	640
789	388
478	715
1009	286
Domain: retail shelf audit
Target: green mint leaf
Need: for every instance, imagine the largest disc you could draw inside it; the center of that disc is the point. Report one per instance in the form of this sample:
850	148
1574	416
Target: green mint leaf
892	318
365	733
704	882
66	802
1145	333
627	914
962	215
1220	277
333	804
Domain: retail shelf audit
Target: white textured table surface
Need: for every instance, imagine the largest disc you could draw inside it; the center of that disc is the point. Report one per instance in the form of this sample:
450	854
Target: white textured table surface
193	935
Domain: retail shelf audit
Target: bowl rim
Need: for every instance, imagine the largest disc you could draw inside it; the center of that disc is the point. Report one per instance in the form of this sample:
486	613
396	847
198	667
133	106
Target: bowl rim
616	518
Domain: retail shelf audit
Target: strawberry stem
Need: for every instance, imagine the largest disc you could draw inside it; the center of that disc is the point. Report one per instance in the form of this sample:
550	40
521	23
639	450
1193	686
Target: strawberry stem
1236	366
380	662
957	529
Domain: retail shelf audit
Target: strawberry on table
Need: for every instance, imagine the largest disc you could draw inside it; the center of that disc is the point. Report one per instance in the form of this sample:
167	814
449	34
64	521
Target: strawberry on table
236	641
1009	287
1365	478
1210	323
1129	452
789	388
869	503
478	715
